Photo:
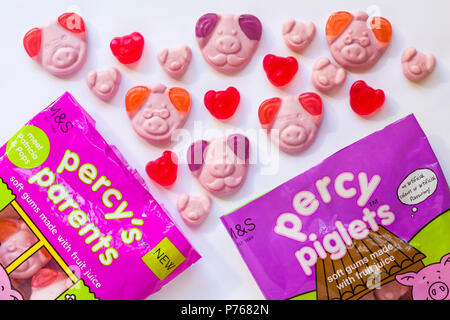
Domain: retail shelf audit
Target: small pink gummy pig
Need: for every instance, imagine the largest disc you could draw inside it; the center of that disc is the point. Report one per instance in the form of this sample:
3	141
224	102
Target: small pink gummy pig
49	284
298	35
417	65
6	290
292	122
356	41
326	76
60	46
194	210
228	41
104	84
15	239
220	165
175	61
157	111
430	283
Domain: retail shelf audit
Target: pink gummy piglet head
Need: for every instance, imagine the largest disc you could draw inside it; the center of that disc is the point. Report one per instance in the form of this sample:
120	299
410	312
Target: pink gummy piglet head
220	165
60	46
292	122
228	41
7	292
194	210
157	111
326	76
104	84
430	283
15	239
298	35
175	61
356	41
417	65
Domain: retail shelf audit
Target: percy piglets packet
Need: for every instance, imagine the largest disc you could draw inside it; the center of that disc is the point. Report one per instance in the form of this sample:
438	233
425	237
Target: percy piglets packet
369	223
76	222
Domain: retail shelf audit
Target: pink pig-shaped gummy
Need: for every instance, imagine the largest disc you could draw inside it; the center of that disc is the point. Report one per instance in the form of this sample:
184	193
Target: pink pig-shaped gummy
298	35
417	65
326	76
48	284
104	84
292	122
194	210
157	111
59	46
220	165
6	290
228	41
15	239
175	61
357	42
430	283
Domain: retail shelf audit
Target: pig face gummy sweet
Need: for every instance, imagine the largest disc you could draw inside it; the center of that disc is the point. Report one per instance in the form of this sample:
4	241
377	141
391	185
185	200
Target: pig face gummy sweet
279	70
228	41
104	84
326	76
430	283
48	284
156	111
417	65
15	239
128	49
357	42
293	121
175	61
220	165
6	290
298	35
164	170
222	104
60	47
194	210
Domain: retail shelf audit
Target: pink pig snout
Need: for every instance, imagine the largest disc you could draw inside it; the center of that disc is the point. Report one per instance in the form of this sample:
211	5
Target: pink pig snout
293	135
438	291
228	44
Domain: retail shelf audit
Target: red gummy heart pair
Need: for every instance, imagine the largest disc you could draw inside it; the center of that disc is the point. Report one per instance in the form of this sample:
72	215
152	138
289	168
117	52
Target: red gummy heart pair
163	170
280	71
128	49
222	104
365	100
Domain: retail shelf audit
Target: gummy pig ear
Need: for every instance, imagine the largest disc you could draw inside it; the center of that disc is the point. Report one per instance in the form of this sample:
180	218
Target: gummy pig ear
135	98
181	99
268	111
73	23
32	42
288	25
382	30
196	156
205	26
251	26
240	146
336	24
312	103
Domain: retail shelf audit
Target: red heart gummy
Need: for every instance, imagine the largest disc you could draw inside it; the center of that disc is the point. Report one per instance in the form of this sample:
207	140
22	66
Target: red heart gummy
222	104
163	170
280	71
128	49
365	100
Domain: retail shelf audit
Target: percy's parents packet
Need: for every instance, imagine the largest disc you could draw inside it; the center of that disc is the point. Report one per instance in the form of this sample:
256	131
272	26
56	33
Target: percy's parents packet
76	222
370	222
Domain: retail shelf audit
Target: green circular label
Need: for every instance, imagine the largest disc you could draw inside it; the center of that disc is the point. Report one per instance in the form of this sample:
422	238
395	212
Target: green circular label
29	148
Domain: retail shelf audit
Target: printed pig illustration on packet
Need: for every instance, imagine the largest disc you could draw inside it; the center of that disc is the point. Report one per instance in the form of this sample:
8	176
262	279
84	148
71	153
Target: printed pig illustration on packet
157	111
60	47
6	291
228	41
357	42
430	283
292	122
220	165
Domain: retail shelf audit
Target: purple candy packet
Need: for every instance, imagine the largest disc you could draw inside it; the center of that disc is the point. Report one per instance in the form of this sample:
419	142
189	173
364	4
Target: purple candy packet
369	223
76	222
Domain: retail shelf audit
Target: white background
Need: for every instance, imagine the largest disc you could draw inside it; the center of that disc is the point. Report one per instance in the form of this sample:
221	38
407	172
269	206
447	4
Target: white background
221	274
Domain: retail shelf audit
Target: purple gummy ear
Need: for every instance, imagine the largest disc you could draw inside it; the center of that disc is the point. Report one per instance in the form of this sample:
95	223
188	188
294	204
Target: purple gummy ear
251	26
240	146
206	24
195	155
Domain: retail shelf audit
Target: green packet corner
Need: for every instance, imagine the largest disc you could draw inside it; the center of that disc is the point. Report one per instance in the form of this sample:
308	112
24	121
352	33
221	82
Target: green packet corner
79	291
6	195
